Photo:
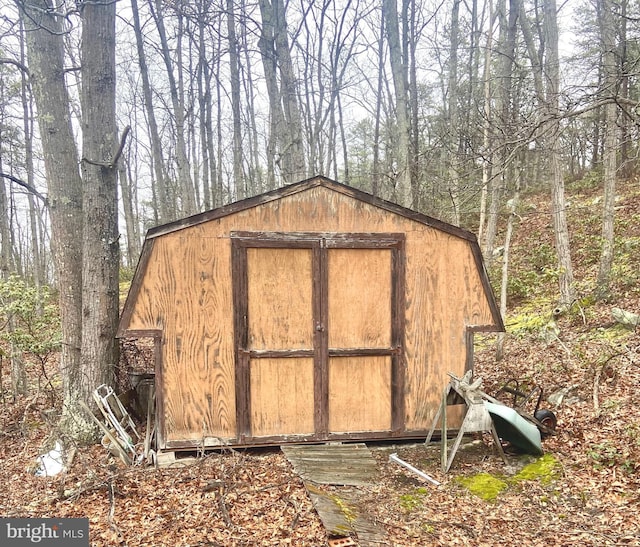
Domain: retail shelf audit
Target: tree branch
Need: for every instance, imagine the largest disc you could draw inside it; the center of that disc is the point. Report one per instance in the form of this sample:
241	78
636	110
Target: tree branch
112	164
7	61
25	185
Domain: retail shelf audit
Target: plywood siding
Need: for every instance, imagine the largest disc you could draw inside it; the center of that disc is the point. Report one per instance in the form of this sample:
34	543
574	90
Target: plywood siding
359	298
359	394
280	299
444	295
281	397
187	293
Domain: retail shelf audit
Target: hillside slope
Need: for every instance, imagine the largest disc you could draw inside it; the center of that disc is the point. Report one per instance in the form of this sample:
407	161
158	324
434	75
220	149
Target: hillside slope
584	491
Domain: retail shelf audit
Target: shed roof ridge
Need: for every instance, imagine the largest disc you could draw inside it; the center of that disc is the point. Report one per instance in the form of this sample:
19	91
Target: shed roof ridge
302	186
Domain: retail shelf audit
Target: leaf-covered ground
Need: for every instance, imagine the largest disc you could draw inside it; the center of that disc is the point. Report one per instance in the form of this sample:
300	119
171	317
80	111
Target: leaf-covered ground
585	492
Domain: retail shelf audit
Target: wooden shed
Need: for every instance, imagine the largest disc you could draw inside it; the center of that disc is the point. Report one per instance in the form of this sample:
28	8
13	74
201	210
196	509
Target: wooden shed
314	312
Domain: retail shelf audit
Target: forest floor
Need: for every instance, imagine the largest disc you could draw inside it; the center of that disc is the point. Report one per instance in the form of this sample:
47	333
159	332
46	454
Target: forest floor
584	491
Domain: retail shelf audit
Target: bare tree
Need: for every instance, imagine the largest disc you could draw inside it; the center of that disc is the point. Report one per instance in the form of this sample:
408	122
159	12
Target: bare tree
611	142
398	70
286	127
453	124
234	72
188	205
164	206
545	65
500	149
100	155
45	51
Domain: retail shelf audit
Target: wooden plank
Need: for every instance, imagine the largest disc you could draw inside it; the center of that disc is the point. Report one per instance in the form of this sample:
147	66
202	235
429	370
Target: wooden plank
321	348
341	515
168	459
241	378
398	326
346	465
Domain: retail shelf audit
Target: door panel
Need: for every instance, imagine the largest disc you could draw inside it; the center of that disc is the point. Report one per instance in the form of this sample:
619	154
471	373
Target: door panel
359	291
280	311
280	322
359	394
359	325
319	330
281	396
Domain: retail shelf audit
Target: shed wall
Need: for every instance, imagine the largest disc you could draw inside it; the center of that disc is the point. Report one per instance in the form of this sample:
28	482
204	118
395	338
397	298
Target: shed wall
187	293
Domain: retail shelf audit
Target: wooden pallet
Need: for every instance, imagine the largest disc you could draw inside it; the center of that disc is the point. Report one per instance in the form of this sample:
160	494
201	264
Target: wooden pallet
345	467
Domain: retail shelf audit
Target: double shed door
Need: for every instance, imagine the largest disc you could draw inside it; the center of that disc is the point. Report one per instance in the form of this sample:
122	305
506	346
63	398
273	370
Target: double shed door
319	331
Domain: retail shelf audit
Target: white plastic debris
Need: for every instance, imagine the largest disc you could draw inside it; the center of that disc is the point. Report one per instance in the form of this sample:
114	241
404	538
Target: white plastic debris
51	463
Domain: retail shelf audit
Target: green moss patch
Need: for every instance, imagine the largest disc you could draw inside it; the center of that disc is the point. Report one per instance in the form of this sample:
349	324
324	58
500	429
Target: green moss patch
486	486
545	469
409	502
483	485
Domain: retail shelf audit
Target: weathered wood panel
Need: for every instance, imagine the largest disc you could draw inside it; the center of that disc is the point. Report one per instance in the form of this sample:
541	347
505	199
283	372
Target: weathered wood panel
281	396
359	394
280	299
190	305
444	297
359	298
340	509
338	464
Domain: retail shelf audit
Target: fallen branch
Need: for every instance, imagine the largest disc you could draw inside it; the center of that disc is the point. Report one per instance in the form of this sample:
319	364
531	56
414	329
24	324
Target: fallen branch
223	509
112	510
596	400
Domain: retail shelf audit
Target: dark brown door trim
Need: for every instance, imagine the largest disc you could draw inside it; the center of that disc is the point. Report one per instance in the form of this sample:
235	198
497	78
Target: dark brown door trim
318	242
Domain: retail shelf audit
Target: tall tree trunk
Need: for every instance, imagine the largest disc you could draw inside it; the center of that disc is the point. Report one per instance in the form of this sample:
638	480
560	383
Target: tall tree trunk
546	77
376	175
203	78
101	251
45	51
234	70
18	372
558	202
504	77
289	92
512	207
129	207
610	71
283	97
220	194
626	163
255	172
414	105
452	110
403	173
38	270
266	43
486	124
